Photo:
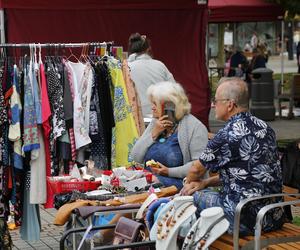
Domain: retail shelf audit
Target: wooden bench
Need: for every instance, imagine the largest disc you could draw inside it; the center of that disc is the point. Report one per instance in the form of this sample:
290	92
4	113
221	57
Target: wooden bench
288	236
285	246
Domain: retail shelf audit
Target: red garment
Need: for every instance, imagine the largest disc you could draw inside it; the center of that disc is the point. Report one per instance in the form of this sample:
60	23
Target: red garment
46	113
46	128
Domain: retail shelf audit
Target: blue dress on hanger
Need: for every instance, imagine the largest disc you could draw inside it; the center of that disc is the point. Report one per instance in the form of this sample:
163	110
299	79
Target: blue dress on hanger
168	153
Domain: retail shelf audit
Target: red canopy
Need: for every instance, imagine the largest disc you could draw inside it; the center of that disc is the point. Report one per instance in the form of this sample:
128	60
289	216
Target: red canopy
243	11
176	29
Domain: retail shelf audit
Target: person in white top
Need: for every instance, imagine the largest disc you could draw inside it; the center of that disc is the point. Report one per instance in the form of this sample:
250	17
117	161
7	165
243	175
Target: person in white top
144	70
254	40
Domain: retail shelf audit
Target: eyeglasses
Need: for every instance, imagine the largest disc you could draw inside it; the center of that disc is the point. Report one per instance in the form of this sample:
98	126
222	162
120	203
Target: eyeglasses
214	100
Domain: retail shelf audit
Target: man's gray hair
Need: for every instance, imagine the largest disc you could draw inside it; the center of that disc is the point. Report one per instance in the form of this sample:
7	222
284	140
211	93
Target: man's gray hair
236	90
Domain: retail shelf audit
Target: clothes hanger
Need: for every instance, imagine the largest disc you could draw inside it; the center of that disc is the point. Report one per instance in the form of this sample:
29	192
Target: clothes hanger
89	59
72	55
105	56
40	54
81	58
84	53
57	53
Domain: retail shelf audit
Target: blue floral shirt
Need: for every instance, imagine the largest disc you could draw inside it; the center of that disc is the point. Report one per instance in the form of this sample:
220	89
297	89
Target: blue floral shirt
245	154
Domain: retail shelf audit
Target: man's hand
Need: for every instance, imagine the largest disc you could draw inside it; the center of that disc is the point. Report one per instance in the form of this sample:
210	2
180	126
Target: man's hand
192	187
211	135
160	169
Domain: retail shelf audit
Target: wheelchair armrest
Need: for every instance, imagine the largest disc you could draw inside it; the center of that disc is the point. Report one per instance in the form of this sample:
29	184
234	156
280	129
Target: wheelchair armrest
238	210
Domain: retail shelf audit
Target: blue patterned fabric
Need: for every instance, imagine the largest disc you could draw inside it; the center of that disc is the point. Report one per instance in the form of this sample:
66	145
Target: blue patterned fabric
30	135
245	154
169	154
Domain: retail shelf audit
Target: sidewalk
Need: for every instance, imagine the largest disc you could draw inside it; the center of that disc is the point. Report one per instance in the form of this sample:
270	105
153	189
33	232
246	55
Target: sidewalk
50	234
289	66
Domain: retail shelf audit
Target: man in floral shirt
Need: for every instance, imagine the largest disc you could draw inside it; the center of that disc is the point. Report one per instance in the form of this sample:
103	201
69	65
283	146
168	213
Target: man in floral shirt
244	153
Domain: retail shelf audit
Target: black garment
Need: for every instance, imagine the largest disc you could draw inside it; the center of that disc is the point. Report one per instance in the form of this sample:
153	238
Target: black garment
237	59
5	239
54	74
96	133
104	83
258	61
290	163
68	102
298	56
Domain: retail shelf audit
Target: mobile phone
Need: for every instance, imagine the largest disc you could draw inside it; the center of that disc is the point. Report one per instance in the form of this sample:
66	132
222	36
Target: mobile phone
169	110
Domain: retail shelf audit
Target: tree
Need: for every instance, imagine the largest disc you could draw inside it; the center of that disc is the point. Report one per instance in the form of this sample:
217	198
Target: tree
291	6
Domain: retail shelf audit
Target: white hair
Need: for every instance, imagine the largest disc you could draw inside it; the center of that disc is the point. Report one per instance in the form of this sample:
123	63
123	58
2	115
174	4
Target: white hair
170	92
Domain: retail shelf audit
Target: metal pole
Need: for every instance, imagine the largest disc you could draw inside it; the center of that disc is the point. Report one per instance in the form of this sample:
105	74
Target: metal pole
2	28
282	61
45	45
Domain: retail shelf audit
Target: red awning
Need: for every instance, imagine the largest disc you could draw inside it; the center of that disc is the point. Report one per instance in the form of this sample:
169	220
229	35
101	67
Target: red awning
99	4
243	11
176	29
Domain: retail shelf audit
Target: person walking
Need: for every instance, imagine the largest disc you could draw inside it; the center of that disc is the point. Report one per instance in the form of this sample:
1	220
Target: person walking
144	70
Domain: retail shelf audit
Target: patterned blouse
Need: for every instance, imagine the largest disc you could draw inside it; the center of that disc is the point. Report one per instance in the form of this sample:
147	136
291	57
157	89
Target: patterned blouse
245	154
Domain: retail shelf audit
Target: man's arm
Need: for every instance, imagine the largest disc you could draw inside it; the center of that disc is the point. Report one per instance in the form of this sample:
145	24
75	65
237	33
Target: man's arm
196	172
194	186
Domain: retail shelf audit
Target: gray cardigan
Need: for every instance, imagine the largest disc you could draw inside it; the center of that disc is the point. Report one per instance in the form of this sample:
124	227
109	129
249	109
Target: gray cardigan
192	138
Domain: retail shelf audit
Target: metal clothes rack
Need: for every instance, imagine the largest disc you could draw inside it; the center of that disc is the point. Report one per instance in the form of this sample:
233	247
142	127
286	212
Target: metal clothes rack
55	45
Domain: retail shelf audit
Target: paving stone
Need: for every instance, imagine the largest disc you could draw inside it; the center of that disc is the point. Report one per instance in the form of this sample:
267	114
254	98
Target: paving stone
49	237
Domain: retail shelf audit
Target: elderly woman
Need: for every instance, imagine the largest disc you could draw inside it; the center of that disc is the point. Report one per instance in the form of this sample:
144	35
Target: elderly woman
174	143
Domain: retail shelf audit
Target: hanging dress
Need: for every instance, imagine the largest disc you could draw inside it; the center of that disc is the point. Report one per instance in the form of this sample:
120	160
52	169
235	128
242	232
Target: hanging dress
96	132
3	122
125	132
55	94
38	190
133	99
30	135
14	134
104	84
83	78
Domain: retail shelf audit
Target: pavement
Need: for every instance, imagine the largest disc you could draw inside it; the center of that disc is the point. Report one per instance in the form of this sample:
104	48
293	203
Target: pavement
51	234
289	66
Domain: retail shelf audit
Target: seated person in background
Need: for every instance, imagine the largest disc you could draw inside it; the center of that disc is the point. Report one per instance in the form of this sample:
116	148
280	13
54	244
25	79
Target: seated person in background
245	155
172	142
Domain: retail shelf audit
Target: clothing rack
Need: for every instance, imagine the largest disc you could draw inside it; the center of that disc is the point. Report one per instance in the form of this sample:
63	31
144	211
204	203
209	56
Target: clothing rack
55	45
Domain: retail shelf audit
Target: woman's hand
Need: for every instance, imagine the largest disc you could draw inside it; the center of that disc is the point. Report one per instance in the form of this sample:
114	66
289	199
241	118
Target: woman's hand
192	187
160	169
160	125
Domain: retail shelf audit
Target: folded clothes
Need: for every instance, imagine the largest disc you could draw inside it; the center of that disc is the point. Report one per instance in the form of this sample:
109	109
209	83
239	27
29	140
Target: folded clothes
86	211
63	214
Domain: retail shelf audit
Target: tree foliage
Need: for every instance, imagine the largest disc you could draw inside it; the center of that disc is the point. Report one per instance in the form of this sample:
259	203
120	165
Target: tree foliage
291	6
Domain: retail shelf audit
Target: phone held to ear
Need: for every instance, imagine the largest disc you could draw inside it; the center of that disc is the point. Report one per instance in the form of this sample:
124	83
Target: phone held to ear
169	110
